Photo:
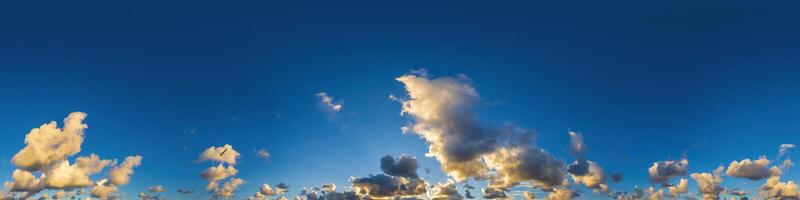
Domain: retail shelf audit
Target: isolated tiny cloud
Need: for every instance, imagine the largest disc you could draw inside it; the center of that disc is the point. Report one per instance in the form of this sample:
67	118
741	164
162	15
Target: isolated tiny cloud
156	188
263	154
326	103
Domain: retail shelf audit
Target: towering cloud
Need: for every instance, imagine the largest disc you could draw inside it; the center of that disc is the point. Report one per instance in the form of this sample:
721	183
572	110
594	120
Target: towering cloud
662	171
442	110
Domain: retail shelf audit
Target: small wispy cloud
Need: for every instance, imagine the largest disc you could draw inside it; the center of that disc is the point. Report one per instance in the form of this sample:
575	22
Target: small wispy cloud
263	154
327	103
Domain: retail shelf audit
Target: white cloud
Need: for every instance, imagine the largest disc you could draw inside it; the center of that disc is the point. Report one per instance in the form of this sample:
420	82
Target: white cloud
49	144
156	188
442	110
750	169
223	154
326	102
708	184
680	188
263	154
103	190
120	175
662	171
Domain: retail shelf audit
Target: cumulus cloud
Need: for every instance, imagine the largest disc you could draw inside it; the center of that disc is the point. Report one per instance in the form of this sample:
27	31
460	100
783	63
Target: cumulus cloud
24	181
750	169
326	102
120	175
442	113
654	194
446	191
156	188
561	194
708	184
663	171
583	171
775	189
223	154
517	164
228	188
384	186
49	144
329	187
594	178
494	193
281	188
47	152
404	166
680	188
104	190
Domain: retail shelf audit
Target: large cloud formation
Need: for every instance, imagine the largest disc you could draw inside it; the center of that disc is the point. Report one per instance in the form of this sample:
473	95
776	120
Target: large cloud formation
442	110
47	152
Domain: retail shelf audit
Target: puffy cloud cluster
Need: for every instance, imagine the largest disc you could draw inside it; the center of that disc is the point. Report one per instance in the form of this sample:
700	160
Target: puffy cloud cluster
775	189
680	188
399	180
583	171
663	171
47	152
653	194
442	113
494	193
750	169
405	166
326	102
446	191
263	193
385	186
708	184
223	155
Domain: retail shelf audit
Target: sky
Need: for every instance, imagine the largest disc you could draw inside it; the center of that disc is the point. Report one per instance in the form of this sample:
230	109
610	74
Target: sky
327	89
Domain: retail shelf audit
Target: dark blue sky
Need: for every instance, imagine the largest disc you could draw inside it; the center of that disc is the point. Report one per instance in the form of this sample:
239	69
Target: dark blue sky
642	80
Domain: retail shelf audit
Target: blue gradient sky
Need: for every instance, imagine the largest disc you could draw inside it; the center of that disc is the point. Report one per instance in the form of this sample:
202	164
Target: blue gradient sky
643	81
